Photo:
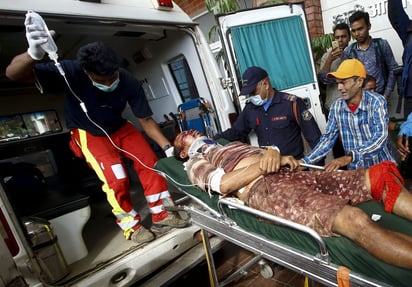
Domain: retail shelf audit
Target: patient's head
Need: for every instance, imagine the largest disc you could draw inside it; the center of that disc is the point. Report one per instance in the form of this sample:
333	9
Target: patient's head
183	141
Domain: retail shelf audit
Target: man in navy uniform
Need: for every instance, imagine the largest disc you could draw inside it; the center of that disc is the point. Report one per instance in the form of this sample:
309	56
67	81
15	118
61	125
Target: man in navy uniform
279	119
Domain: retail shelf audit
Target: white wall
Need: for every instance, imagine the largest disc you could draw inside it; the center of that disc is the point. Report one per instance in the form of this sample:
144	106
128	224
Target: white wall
166	97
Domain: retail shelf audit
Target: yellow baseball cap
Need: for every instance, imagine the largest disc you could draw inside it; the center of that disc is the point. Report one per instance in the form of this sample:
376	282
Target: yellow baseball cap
349	68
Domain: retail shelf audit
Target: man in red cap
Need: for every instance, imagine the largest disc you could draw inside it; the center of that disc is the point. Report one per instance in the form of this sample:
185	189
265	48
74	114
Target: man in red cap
361	119
279	119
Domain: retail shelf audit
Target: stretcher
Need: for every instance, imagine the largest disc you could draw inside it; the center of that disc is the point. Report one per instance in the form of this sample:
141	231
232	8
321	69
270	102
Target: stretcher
286	243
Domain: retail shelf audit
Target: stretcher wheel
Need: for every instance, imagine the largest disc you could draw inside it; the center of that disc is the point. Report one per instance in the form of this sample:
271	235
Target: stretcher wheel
266	270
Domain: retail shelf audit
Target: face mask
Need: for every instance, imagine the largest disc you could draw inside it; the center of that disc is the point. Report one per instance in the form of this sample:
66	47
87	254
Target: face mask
257	100
105	88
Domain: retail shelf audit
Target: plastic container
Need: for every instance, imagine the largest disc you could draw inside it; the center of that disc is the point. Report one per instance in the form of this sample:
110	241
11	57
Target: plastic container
46	249
50	46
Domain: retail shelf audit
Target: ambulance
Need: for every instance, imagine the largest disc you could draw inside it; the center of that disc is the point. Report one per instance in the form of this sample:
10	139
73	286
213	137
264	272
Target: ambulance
56	226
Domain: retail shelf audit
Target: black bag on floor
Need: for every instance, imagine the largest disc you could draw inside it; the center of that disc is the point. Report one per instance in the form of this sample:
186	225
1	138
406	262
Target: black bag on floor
22	179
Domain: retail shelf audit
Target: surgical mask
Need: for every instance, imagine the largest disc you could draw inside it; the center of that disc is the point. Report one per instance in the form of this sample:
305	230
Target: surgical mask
257	100
105	88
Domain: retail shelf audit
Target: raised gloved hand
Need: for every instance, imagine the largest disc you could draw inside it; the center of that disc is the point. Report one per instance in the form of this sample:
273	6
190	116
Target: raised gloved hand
36	36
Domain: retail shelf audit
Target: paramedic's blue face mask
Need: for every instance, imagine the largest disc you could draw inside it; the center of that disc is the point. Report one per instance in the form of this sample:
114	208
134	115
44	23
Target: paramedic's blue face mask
105	83
257	98
105	88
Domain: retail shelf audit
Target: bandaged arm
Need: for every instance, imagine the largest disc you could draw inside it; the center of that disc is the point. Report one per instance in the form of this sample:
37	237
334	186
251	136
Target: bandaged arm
202	173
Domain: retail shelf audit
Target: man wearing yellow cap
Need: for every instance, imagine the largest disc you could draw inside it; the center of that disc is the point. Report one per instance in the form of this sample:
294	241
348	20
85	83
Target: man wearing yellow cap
361	119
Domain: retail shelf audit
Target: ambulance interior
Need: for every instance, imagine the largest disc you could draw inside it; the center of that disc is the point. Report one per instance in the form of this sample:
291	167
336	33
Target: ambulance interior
32	130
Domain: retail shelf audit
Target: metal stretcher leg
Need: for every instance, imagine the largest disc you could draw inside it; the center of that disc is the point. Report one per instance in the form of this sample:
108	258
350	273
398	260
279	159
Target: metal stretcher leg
242	271
209	258
309	282
214	281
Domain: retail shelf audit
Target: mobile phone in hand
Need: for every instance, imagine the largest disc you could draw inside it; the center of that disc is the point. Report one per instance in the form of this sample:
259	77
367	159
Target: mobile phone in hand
335	45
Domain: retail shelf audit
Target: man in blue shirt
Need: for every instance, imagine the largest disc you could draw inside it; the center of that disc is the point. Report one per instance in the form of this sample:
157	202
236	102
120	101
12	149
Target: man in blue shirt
360	117
405	133
403	26
375	54
278	118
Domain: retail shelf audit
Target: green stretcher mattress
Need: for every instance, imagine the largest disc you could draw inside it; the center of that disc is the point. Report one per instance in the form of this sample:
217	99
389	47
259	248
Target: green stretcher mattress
342	251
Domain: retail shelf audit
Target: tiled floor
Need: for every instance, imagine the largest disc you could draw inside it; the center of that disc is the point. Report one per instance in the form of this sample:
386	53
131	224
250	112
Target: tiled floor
227	260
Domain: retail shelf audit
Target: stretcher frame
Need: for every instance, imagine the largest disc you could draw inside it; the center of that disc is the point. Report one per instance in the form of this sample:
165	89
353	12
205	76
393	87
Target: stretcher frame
284	242
317	268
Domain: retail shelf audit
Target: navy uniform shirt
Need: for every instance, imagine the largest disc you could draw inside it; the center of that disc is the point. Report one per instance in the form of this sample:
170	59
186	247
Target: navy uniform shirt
277	126
103	108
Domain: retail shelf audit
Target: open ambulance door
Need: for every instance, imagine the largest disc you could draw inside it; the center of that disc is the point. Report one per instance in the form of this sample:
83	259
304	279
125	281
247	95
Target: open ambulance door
8	270
275	38
9	247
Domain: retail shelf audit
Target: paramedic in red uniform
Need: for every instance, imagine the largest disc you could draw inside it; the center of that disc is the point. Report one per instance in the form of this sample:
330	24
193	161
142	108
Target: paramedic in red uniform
322	200
278	118
97	80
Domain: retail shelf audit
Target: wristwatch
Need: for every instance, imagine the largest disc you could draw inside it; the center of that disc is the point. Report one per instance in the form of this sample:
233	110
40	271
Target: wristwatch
168	150
167	146
273	147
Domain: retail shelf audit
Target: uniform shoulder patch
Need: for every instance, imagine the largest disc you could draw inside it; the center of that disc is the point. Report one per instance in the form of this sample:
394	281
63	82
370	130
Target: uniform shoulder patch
289	97
306	115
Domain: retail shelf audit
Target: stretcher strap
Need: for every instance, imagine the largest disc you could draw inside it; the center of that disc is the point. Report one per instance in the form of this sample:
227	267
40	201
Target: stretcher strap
343	276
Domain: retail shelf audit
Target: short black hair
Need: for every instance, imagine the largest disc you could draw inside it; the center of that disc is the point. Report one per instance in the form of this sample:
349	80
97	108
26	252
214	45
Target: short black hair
98	58
342	26
358	15
369	78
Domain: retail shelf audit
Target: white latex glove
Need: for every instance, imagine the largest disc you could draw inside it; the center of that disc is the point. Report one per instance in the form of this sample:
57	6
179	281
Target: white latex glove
170	151
36	36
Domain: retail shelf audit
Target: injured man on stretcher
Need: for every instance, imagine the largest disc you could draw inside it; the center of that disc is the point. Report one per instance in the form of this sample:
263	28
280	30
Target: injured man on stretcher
323	201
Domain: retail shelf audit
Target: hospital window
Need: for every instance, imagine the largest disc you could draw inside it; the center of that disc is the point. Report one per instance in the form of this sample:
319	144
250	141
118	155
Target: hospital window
183	79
